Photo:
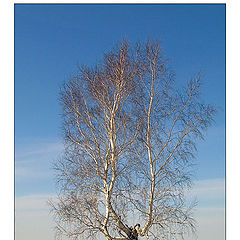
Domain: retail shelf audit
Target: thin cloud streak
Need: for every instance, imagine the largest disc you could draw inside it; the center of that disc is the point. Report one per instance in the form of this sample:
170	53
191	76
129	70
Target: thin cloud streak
208	189
35	160
30	151
33	202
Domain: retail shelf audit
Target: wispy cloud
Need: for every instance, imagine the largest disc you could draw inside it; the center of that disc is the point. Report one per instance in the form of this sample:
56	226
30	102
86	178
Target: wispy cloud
33	172
29	151
22	171
33	160
210	211
211	187
209	192
33	202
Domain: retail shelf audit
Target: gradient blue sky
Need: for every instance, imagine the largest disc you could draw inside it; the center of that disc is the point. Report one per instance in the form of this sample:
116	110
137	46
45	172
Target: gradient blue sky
51	40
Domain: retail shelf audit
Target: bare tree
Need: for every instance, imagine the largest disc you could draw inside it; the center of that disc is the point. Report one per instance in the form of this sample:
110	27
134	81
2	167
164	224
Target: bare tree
129	143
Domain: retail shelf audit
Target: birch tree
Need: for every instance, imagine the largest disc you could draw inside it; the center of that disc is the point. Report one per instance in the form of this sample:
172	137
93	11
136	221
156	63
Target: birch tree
130	137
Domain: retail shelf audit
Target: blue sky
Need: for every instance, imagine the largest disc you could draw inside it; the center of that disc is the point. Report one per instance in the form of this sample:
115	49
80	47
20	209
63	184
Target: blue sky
51	40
